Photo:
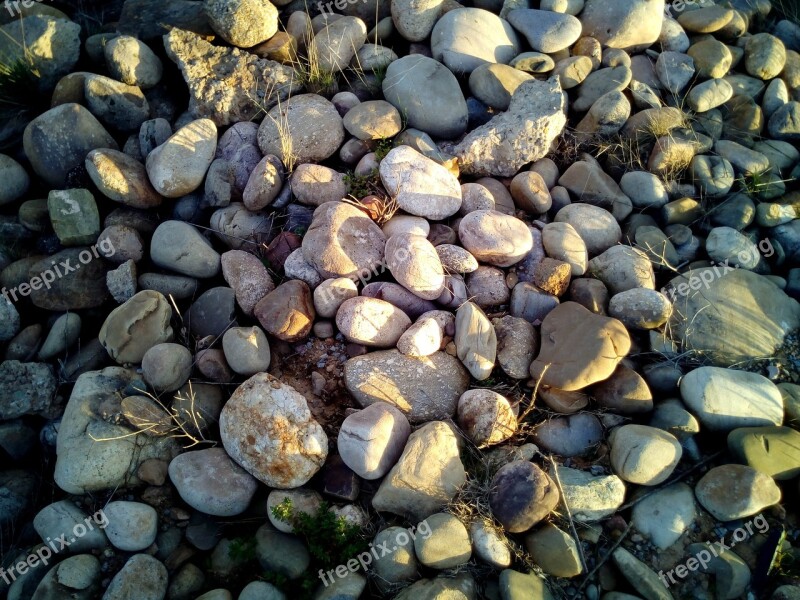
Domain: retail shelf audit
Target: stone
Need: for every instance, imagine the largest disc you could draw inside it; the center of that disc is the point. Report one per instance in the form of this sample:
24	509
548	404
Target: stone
706	20
142	577
555	551
589	497
401	564
287	312
495	84
16	180
371	322
423	338
373	120
644	455
371	440
600	83
770	450
516	586
486	417
522	495
740	315
725	399
675	70
59	140
132	526
291	447
148	19
131	329
209	481
246	350
625	392
121	178
84	465
546	31
640	308
522	134
343	241
596	226
422	388
573	364
306	128
732	492
643	579
80	282
167	367
764	56
573	435
490	545
443	113
783	124
315	185
335	45
466	38
447	545
665	515
460	586
427	475
76	576
475	340
9	320
419	185
60	518
227	85
177	167
74	216
281	553
132	62
517	344
731	573
480	233
712	58
414	263
414	20
248	277
243	23
630	25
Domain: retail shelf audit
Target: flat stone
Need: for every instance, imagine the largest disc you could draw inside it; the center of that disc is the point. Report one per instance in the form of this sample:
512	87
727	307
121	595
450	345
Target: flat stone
732	492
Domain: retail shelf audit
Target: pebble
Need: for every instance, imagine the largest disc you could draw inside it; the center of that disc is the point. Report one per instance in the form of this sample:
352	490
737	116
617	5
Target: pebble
167	367
132	62
177	167
596	226
287	312
546	31
132	526
371	440
131	329
475	340
517	344
415	264
373	120
634	24
486	417
246	350
495	238
590	497
574	435
732	492
371	322
487	287
265	182
665	515
60	518
708	95
243	23
640	308
555	551
644	455
119	106
764	56
423	338
335	45
248	277
447	545
495	84
15	178
142	577
522	495
771	450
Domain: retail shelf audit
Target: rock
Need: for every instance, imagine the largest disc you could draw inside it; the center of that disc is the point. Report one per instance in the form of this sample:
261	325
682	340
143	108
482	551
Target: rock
546	31
623	268
480	233
209	481
486	417
74	216
596	226
292	445
517	344
77	577
590	498
83	464
121	178
555	551
724	399
475	340
414	263
335	45
243	23
179	247
248	277
522	134
123	107
516	586
373	120
177	167
770	450
675	70
396	294
424	388
446	546
574	435
227	85
625	392
575	364
371	440
665	515
640	308
59	140
61	518
62	335
732	492
315	185
148	19
343	241
706	20
562	242
212	313
19	488
51	46
371	322
132	526
167	367
598	84
78	284
131	329
739	315
423	338
731	573
522	495
427	476
495	84
287	312
764	56
414	20
16	180
281	553
466	38
644	189
246	350
643	579
783	124
460	586
531	193
419	185
644	455
631	25
428	94
400	565
490	545
142	577
132	62
9	320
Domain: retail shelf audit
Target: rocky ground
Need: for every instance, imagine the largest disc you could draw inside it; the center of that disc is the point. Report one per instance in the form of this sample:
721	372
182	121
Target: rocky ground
420	299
